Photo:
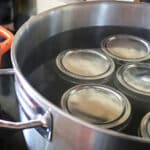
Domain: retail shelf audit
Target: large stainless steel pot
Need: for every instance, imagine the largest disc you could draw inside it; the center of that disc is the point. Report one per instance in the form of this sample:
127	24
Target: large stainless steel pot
64	131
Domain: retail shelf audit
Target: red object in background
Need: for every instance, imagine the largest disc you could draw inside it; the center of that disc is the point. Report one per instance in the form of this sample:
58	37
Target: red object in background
6	44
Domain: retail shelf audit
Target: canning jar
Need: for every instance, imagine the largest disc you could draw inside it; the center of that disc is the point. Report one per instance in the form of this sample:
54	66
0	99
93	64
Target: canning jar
99	105
85	66
125	48
144	130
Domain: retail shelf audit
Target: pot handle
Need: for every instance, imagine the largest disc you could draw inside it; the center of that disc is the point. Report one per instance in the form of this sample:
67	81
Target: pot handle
44	121
6	44
40	121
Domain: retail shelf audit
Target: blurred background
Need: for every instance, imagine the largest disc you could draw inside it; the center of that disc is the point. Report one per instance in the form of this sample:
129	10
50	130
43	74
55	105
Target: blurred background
13	13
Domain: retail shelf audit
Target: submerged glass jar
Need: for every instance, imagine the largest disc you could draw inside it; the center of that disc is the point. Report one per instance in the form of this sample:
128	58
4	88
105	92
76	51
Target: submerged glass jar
99	105
134	81
144	130
85	66
126	48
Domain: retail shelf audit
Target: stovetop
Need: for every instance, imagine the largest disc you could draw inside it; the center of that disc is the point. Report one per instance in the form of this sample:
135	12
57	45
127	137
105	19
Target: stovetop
14	142
9	140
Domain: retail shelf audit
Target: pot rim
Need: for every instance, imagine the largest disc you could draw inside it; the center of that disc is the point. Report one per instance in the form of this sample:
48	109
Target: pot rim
44	101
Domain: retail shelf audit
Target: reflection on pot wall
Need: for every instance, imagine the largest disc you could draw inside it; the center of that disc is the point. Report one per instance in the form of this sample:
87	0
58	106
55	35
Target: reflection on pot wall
24	9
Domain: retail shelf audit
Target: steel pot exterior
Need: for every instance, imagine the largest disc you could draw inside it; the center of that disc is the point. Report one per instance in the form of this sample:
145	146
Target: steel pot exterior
69	133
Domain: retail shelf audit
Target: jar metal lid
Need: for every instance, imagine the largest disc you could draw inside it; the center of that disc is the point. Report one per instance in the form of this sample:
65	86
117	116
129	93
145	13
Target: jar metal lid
126	48
145	126
135	77
97	104
85	64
